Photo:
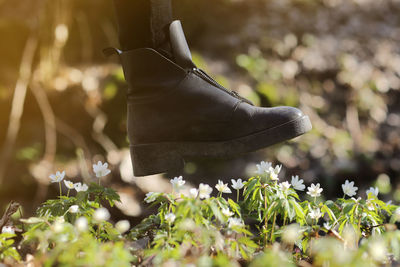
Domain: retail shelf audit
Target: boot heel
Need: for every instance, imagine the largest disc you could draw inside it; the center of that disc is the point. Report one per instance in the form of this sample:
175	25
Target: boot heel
153	159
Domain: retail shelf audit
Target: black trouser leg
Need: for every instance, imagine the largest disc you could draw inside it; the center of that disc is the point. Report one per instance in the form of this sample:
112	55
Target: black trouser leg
161	17
143	23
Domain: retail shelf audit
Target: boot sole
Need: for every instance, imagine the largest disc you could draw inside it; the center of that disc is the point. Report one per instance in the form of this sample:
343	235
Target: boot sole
148	159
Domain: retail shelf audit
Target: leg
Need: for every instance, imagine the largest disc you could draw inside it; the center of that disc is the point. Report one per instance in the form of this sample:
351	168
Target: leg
175	110
144	23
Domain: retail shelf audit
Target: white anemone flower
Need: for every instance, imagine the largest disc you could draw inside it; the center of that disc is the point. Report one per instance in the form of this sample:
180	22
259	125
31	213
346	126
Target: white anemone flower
314	190
273	172
69	184
193	192
370	205
122	226
349	188
73	209
188	225
101	169
263	168
8	229
101	214
58	177
227	212
237	184
80	187
315	214
373	190
284	186
81	224
377	249
396	214
204	191
356	199
58	225
150	197
223	188
177	183
291	233
235	222
297	183
349	236
170	217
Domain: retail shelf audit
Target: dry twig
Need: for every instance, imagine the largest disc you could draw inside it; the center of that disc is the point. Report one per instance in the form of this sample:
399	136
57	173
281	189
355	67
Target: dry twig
12	208
18	101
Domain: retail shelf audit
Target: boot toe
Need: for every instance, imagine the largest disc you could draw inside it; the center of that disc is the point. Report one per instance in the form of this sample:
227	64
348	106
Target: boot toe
265	118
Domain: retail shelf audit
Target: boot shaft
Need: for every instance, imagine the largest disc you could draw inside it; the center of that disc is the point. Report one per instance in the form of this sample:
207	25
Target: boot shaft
148	72
144	23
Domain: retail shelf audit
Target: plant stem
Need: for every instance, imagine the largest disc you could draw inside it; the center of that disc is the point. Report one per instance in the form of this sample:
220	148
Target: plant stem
266	220
98	231
68	192
237	196
169	207
359	227
273	227
265	198
20	216
265	206
59	183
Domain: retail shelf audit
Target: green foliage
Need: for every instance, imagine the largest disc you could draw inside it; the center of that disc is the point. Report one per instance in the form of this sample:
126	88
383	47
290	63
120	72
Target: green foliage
60	239
71	249
200	226
7	249
86	201
267	224
273	256
101	194
204	228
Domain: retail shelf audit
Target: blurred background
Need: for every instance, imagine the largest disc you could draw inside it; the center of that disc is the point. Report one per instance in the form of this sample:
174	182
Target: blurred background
62	103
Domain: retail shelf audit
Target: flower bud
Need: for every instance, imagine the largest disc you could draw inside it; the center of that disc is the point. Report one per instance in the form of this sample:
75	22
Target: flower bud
122	226
73	209
101	214
81	224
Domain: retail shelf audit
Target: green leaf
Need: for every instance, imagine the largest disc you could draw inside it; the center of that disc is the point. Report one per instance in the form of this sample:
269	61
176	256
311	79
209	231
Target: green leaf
241	229
299	211
234	206
326	209
290	210
33	220
249	187
248	242
217	212
271	210
243	252
342	225
348	207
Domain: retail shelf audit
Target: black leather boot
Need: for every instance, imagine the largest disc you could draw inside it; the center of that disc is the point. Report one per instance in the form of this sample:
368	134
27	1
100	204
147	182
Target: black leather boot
177	112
